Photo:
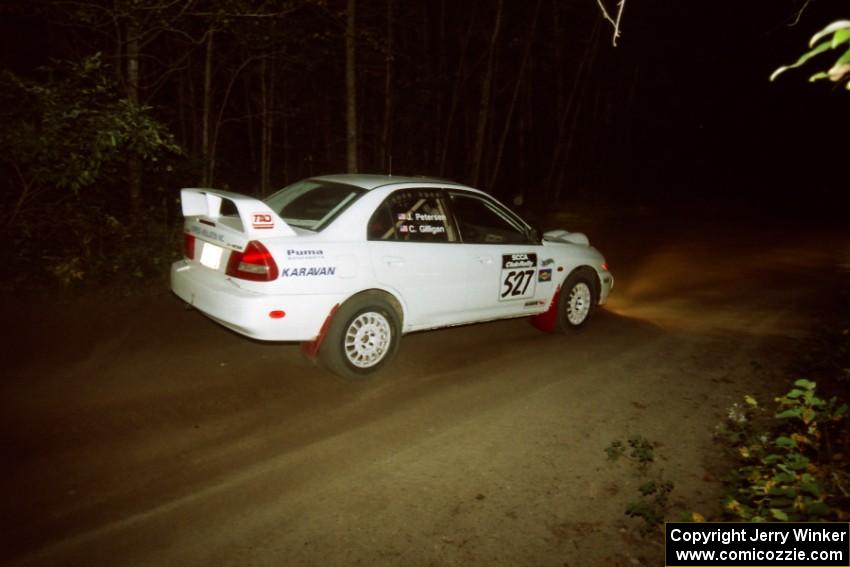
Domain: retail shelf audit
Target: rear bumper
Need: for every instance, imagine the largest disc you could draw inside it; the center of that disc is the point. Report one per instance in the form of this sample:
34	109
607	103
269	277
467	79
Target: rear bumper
247	312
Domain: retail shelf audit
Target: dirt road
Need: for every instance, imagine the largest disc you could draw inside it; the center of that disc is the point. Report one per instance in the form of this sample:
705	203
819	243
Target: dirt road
135	432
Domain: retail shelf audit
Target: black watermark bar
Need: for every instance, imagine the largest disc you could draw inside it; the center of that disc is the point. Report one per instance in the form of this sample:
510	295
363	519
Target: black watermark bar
738	544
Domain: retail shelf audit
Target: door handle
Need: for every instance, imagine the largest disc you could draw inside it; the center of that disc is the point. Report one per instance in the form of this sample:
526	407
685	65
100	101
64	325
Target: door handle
486	260
393	261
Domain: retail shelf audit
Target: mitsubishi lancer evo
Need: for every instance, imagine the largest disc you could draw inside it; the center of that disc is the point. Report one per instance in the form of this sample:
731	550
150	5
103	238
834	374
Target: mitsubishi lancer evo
347	264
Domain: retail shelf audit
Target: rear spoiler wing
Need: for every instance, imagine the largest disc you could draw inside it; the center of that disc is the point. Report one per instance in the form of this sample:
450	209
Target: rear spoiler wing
256	217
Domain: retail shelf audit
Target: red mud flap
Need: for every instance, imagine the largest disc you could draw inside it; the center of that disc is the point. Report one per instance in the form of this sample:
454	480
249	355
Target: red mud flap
310	349
547	320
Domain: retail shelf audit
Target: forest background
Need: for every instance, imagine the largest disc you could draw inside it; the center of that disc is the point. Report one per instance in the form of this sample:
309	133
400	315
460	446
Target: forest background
108	108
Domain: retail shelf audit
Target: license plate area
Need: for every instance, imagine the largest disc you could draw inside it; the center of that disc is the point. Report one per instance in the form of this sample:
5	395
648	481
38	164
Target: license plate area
211	255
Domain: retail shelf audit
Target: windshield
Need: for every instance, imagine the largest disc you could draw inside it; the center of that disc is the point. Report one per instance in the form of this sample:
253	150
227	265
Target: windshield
312	204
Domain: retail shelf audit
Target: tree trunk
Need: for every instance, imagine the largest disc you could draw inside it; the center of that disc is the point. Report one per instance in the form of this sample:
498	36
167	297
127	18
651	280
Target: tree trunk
484	105
581	89
555	164
568	148
558	52
248	87
215	127
440	98
206	154
501	147
134	162
329	158
284	169
386	151
194	123
458	86
181	110
350	90
267	98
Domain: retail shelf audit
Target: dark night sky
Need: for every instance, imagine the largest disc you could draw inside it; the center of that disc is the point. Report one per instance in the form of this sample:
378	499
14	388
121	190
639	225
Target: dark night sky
706	110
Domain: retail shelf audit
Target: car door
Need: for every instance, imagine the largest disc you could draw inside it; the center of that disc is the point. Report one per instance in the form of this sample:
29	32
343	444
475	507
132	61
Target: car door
506	275
415	252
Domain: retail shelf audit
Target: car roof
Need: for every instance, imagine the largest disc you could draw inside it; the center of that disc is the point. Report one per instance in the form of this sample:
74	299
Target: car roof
372	181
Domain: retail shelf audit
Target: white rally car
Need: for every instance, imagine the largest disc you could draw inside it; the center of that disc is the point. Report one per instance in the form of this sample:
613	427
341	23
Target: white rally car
347	264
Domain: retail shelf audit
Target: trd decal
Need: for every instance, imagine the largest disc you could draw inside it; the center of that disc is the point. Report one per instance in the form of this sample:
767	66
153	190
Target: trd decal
544	275
262	220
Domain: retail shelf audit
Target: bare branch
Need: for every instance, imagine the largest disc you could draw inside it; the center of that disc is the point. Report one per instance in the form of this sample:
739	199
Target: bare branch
800	13
616	23
278	14
153	33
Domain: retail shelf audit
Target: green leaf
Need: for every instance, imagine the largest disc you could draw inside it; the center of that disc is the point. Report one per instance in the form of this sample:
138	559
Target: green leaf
808	415
806	384
779	514
794	394
789	413
834	26
818	509
786	469
785	442
805	57
797	461
785	491
840	36
785	477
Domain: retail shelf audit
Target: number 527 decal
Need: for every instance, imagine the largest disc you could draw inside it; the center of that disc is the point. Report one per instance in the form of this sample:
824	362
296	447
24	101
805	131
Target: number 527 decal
518	276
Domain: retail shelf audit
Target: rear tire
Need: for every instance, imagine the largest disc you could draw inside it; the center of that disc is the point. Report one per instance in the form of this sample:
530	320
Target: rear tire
362	338
578	300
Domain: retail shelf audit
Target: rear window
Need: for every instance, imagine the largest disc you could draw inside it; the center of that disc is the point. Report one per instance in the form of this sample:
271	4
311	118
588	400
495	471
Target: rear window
313	204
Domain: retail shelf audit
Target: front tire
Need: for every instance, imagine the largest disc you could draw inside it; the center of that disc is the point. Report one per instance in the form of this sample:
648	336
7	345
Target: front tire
363	337
578	300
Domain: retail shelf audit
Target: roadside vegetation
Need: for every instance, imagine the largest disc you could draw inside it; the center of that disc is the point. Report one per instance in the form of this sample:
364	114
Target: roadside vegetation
67	219
790	463
786	459
652	502
790	456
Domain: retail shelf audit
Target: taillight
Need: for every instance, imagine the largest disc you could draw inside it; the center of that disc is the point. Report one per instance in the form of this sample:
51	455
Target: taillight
254	263
188	246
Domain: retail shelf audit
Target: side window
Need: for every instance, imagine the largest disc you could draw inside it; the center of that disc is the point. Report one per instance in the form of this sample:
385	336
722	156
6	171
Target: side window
381	224
412	215
481	221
